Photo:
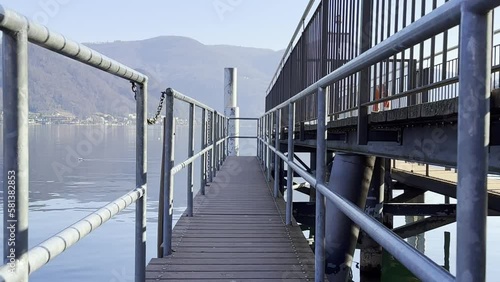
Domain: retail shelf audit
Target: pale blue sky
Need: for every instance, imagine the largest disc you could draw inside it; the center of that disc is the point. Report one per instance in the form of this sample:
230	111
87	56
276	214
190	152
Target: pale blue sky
252	23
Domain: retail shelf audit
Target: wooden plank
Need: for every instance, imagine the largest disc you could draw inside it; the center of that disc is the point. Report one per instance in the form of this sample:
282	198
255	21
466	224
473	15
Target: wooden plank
237	233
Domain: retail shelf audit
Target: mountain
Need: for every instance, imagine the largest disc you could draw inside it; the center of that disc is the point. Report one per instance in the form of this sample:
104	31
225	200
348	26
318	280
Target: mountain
58	84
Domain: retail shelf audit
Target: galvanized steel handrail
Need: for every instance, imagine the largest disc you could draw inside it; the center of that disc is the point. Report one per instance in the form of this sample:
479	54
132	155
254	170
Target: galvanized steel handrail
418	263
17	32
218	134
46	251
290	45
439	20
475	54
58	43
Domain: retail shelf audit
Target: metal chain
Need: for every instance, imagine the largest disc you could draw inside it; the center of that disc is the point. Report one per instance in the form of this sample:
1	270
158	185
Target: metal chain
154	120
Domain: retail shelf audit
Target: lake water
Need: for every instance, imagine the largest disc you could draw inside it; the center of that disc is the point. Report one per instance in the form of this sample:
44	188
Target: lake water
64	190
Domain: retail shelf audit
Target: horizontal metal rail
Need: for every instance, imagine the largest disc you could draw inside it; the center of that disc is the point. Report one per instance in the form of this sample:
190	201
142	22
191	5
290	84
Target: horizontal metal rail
58	43
179	96
243	137
423	267
440	20
59	243
189	161
243	118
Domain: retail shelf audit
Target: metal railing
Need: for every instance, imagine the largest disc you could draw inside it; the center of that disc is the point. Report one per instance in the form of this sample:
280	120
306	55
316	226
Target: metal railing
214	128
20	261
475	17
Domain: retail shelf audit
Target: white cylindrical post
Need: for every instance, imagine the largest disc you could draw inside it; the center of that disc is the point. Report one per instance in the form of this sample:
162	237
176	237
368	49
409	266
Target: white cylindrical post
232	111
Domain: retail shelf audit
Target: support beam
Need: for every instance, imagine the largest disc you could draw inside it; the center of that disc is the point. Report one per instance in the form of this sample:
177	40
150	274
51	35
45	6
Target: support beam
422	226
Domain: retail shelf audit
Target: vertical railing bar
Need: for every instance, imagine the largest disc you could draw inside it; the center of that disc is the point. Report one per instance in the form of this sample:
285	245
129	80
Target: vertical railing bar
190	171
319	238
269	152
15	150
210	169
365	75
203	169
473	142
214	134
141	182
276	158
289	181
168	178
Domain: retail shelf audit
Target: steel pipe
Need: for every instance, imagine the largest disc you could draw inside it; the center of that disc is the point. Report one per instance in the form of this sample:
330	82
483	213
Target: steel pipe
419	264
15	153
58	43
289	177
190	172
319	237
277	126
168	177
141	182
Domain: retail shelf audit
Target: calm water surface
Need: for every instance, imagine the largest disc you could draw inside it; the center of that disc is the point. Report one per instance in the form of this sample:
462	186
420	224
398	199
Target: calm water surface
63	190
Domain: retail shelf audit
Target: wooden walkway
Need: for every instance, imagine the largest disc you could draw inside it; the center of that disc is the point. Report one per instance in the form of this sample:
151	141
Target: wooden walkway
237	234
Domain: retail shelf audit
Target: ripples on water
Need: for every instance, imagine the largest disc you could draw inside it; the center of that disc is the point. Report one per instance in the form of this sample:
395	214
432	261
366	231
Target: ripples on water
106	172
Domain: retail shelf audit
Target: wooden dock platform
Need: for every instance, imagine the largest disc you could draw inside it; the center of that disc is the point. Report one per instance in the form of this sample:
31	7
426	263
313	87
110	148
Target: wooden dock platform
237	233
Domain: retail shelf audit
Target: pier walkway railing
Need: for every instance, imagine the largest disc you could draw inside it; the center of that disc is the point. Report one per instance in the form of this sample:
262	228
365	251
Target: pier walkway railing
20	261
474	78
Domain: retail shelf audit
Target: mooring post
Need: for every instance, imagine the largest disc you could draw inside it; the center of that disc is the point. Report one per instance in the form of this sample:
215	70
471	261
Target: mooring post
277	126
168	178
371	257
289	181
15	151
232	111
473	141
190	171
350	178
203	161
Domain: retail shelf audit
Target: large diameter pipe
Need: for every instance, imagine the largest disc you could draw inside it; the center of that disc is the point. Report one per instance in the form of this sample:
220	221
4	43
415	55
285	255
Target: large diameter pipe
350	178
231	109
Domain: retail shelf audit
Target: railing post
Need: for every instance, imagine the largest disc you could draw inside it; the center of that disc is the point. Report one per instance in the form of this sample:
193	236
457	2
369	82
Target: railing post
215	138
473	142
276	158
289	181
364	79
190	172
203	168
141	182
319	237
16	154
269	140
168	178
210	168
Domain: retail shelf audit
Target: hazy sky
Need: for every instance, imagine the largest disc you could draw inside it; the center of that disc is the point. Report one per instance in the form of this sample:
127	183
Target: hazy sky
252	23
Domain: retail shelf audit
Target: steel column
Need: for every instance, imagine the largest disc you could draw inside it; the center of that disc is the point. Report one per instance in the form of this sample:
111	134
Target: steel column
319	237
473	141
231	109
276	159
168	178
203	162
212	152
141	182
364	78
289	180
15	152
190	172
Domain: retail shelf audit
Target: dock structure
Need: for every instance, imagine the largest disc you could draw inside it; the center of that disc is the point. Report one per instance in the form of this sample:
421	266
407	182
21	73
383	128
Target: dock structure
362	93
237	233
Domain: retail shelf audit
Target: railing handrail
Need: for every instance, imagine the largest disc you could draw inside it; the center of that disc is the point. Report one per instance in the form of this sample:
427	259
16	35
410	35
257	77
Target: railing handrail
58	43
18	31
418	263
290	45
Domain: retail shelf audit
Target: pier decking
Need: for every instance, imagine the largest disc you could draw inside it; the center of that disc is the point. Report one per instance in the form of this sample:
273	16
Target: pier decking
237	233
